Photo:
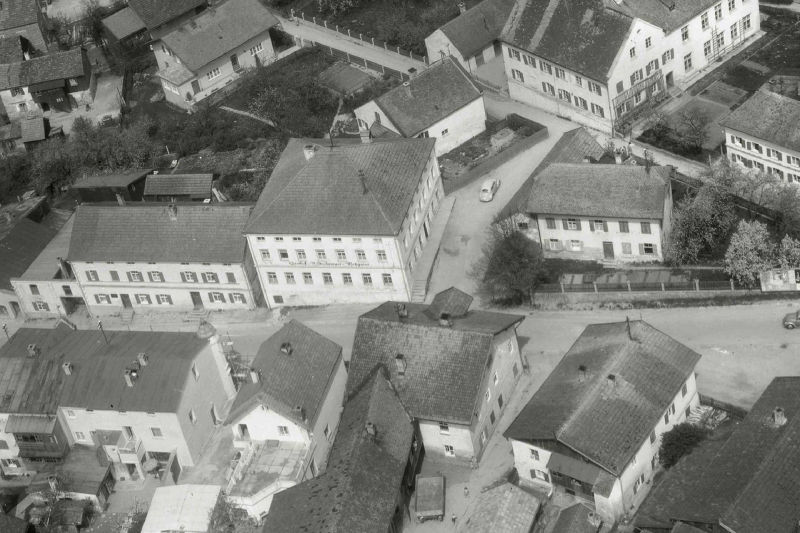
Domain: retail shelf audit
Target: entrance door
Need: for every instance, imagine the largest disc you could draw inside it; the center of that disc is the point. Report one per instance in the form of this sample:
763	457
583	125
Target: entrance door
608	250
235	62
197	301
670	80
195	87
126	301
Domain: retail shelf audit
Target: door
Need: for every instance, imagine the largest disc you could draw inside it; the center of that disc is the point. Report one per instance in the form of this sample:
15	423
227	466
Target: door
244	433
197	301
670	80
608	250
126	301
195	87
479	59
235	62
15	309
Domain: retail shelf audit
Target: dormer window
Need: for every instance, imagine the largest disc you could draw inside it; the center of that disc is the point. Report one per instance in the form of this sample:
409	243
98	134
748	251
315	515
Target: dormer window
400	364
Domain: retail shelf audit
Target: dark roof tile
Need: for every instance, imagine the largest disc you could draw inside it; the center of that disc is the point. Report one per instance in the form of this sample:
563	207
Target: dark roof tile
123	23
502	509
20	247
51	67
16	13
768	116
198	185
122	179
154	13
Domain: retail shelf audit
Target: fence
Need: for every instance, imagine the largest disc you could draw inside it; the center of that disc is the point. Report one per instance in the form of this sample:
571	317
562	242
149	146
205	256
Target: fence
693	285
377	43
360	61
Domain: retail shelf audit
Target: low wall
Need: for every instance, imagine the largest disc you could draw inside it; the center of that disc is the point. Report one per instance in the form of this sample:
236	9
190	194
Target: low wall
735	412
643	298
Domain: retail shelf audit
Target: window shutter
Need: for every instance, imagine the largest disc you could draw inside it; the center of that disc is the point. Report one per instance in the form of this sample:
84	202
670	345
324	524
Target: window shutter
605	226
578	222
211	294
183	277
564	222
130	278
655	249
222	297
97	298
641	249
591	226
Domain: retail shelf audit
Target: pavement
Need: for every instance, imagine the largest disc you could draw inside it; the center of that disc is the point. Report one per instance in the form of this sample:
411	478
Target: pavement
106	102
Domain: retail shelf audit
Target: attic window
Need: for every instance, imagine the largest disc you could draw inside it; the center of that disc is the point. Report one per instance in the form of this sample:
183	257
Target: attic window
286	348
400	364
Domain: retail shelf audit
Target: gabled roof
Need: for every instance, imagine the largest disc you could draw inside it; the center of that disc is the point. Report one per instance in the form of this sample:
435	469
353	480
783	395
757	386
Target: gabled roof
205	233
668	15
123	179
623	191
760	493
11	49
293	384
574	519
51	67
20	247
347	189
154	13
444	365
768	116
12	524
38	385
505	508
33	129
358	491
178	185
433	95
123	23
572	147
606	419
476	29
217	31
16	13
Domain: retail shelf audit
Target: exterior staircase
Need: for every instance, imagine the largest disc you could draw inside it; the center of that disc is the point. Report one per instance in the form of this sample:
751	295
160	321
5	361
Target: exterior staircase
126	316
424	267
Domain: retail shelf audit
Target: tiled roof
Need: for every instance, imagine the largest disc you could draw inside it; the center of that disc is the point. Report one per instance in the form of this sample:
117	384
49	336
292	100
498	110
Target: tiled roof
502	509
748	482
668	16
38	385
574	519
444	365
348	189
179	185
359	489
16	13
572	147
205	233
607	419
433	95
33	129
476	29
10	49
20	247
768	116
452	302
154	13
293	385
12	524
123	23
681	527
51	67
624	191
218	30
122	179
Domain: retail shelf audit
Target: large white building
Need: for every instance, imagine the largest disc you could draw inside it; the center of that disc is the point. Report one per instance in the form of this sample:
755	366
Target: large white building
344	222
163	257
599	62
594	427
441	102
763	134
619	213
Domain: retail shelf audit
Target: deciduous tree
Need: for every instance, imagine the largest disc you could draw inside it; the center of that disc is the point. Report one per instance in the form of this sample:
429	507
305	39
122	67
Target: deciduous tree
679	441
750	252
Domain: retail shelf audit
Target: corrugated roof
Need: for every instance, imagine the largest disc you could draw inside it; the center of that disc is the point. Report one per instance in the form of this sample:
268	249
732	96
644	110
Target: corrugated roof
348	189
53	66
122	179
20	247
607	420
502	509
38	385
16	13
123	23
154	13
207	233
359	489
444	365
622	191
300	379
768	116
197	185
431	96
218	30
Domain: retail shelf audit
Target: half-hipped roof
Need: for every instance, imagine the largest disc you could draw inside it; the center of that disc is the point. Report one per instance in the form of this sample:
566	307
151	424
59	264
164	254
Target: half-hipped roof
54	66
608	392
296	366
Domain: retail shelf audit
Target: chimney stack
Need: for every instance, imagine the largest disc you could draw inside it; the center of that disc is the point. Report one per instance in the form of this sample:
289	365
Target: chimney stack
370	430
612	380
309	150
402	312
173	212
34	350
400	364
142	358
366	136
444	320
778	417
582	369
255	377
67	368
286	348
462	7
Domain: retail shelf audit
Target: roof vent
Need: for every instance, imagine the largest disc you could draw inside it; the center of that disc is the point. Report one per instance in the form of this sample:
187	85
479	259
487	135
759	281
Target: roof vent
173	212
778	417
286	348
400	363
582	369
594	519
308	151
444	320
131	375
142	358
255	375
402	312
34	350
67	368
370	430
612	380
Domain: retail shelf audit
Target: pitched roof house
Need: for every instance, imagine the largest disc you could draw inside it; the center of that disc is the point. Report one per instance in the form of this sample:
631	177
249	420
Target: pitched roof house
23	18
441	102
762	134
123	187
370	472
593	426
178	187
504	508
445	361
603	212
746	483
181	508
350	217
157	13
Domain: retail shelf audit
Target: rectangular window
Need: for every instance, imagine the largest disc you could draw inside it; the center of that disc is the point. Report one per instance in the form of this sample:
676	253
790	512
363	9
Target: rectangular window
215	297
143	299
718	11
156	277
278	299
595	88
576	246
648	42
307	278
381	256
545	67
272	278
255	49
102	298
648	248
517	75
684	389
632	51
598	225
581	102
320	255
687	62
734	31
387	280
534	454
549	89
746	23
265	255
301	255
685	33
213	73
283	254
341	255
283	431
564	95
230	277
646	228
114	275
289	277
626	248
210	277
360	255
668	56
707	48
327	278
156	432
704	20
554	244
366	279
133	275
41	306
164	299
444	428
91	275
720	40
347	279
578	81
623	226
514	54
449	451
560	74
571	223
598	110
237	297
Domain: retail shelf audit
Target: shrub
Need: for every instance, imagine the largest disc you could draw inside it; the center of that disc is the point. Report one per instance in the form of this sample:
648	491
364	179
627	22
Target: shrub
678	442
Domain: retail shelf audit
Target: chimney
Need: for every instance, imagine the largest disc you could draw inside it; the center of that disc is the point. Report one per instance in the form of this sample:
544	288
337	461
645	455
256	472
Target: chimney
120	199
255	377
582	369
612	380
131	375
286	348
62	266
308	151
618	158
363	178
67	368
444	320
34	350
142	358
594	519
402	312
400	364
778	417
366	136
370	430
462	7
301	412
173	212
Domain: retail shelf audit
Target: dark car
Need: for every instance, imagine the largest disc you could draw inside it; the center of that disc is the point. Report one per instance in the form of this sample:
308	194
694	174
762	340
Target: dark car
792	320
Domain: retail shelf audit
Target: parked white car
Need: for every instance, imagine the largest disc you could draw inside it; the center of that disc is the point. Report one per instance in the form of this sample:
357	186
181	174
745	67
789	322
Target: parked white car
488	189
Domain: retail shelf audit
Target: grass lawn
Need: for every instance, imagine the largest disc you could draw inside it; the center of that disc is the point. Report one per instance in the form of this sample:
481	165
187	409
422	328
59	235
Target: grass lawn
403	23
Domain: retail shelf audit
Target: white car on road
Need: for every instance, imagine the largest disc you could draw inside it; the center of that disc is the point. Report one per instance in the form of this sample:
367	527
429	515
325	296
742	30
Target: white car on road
488	189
